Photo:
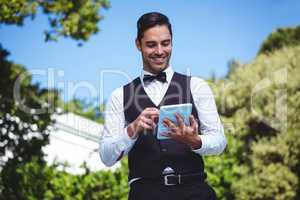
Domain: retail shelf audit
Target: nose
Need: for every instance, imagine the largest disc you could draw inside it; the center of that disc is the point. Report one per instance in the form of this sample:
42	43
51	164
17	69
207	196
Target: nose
159	50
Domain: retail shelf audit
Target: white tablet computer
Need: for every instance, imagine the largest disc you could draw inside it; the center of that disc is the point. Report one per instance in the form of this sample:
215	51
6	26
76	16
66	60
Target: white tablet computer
169	111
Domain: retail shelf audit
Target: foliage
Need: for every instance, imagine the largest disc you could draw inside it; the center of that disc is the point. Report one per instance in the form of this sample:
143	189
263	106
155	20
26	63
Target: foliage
259	104
25	107
24	131
280	38
85	109
40	181
232	65
76	19
24	119
25	112
222	170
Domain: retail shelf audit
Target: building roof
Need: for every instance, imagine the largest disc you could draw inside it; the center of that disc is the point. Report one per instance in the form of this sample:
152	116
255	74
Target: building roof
77	125
75	140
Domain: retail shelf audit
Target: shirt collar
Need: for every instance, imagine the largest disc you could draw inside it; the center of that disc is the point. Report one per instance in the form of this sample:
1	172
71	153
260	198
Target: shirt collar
169	73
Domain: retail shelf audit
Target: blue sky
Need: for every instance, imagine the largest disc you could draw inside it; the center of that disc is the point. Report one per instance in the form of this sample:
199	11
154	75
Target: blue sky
206	35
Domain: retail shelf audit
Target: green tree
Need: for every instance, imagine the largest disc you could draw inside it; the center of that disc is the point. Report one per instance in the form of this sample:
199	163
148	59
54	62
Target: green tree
40	181
25	116
76	19
232	65
259	104
86	109
280	38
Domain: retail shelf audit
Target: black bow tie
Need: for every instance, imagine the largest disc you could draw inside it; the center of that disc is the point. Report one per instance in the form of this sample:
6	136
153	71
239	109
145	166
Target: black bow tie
162	77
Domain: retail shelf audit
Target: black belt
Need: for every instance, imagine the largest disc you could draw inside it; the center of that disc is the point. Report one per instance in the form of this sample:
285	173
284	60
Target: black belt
177	179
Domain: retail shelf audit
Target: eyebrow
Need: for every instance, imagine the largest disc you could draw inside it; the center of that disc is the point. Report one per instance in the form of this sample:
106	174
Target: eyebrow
167	40
151	42
154	42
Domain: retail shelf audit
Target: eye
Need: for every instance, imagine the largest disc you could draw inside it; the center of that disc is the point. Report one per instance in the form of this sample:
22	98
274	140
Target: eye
151	44
166	43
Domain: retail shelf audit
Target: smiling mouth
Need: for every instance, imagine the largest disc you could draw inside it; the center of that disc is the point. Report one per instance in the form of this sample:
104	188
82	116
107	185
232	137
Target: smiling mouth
158	60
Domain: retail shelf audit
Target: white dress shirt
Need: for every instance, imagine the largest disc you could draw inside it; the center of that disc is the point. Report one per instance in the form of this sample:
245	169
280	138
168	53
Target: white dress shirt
115	142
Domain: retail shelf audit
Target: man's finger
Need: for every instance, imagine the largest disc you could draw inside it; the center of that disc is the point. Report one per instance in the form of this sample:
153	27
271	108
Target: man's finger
151	109
168	134
167	122
147	120
180	120
146	126
151	113
165	134
194	123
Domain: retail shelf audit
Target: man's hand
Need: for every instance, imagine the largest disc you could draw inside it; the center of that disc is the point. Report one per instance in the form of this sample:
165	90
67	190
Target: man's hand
183	133
145	121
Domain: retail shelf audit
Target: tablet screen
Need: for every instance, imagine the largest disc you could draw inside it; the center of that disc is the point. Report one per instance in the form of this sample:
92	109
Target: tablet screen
169	111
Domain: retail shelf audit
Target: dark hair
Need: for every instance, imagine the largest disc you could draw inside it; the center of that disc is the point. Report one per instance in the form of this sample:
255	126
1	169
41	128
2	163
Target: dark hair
150	20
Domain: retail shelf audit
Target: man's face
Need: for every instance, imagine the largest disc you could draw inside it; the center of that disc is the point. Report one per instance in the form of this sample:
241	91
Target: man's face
156	48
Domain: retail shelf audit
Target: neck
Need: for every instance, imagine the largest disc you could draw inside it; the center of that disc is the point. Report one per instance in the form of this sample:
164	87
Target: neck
153	71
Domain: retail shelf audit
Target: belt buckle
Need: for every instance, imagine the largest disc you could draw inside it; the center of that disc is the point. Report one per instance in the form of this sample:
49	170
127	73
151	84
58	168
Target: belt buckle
171	175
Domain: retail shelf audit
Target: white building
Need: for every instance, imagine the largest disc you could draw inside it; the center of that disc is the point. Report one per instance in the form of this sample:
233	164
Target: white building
75	140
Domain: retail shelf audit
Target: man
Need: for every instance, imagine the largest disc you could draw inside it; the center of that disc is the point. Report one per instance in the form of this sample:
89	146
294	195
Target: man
161	169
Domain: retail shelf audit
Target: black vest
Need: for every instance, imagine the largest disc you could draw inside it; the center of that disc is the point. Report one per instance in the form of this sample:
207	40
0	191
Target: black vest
150	156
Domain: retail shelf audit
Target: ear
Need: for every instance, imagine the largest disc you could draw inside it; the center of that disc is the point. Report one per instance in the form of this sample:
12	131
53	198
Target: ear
138	44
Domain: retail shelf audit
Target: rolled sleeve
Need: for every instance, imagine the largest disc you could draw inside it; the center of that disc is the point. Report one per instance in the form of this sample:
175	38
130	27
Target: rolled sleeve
114	142
212	144
212	132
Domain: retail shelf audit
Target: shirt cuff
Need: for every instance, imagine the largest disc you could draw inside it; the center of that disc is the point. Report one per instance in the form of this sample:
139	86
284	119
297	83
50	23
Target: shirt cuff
203	147
126	137
127	142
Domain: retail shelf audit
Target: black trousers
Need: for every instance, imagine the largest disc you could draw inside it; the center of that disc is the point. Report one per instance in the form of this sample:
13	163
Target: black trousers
141	190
